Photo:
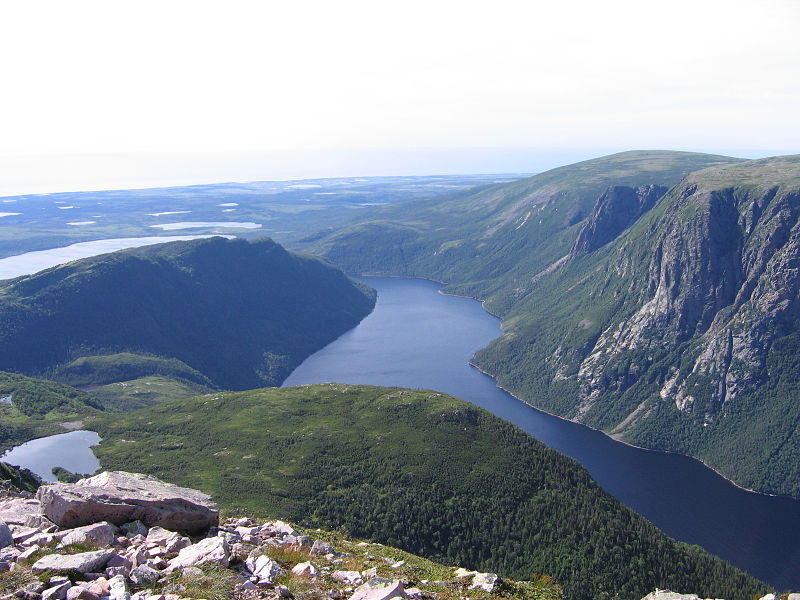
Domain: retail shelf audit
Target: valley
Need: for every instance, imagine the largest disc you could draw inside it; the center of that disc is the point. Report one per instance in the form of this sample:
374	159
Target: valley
133	369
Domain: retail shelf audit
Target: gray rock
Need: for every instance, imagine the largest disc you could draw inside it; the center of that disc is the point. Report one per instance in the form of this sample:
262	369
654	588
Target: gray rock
263	567
135	528
321	548
379	589
57	592
191	572
102	533
85	562
144	576
6	537
17	510
793	597
213	550
120	497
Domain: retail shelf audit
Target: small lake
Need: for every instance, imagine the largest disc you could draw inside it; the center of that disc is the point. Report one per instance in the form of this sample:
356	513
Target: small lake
71	451
418	338
33	262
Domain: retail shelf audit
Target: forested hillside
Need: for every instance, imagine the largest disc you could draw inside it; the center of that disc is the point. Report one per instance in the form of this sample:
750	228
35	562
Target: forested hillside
235	313
420	470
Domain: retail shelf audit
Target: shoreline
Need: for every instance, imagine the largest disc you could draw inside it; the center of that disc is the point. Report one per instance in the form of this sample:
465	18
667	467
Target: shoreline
526	403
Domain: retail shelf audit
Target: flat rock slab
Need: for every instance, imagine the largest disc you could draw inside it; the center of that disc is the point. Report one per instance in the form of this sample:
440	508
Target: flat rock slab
120	497
85	562
17	510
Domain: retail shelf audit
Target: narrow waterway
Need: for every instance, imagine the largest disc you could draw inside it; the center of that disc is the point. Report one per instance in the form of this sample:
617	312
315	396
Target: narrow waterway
418	338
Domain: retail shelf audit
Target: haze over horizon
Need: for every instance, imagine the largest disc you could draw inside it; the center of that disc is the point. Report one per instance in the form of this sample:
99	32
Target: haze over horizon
108	95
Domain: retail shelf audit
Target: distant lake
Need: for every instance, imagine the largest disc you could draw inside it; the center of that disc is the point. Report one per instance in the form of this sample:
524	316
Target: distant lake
71	451
33	262
418	338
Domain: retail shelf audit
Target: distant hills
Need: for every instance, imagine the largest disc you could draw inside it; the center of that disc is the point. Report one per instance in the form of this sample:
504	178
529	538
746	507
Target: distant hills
653	295
420	470
213	312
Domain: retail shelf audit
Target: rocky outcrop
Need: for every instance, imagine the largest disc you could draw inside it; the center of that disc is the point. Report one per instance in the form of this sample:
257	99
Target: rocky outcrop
120	497
252	560
615	211
716	275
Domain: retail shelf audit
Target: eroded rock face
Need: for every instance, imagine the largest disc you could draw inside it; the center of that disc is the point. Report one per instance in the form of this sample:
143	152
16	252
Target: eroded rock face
120	497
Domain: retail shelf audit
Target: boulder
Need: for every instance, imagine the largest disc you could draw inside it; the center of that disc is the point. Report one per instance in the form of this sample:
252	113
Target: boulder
57	592
118	588
305	569
17	510
320	548
213	550
484	581
263	567
85	562
348	577
103	533
144	576
120	497
379	589
6	537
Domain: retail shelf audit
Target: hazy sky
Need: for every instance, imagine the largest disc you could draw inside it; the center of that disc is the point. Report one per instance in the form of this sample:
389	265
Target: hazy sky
99	77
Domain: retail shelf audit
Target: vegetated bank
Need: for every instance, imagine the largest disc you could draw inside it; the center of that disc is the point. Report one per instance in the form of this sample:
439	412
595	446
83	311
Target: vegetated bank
419	470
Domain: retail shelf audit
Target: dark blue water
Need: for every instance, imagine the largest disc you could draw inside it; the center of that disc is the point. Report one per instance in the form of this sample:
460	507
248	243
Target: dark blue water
418	338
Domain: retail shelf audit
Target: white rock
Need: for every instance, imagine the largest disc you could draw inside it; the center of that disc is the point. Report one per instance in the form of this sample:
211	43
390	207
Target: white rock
461	573
379	589
263	567
118	588
213	550
305	569
348	577
484	581
769	597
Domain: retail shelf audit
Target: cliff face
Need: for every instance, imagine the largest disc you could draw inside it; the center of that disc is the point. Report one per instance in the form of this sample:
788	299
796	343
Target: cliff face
615	211
722	274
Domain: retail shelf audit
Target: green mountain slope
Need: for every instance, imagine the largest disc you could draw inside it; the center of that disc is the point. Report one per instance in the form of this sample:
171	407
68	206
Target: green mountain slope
683	334
426	472
665	318
240	313
492	241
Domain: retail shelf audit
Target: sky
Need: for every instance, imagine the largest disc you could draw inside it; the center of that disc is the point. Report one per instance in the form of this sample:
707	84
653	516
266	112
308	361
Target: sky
95	92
